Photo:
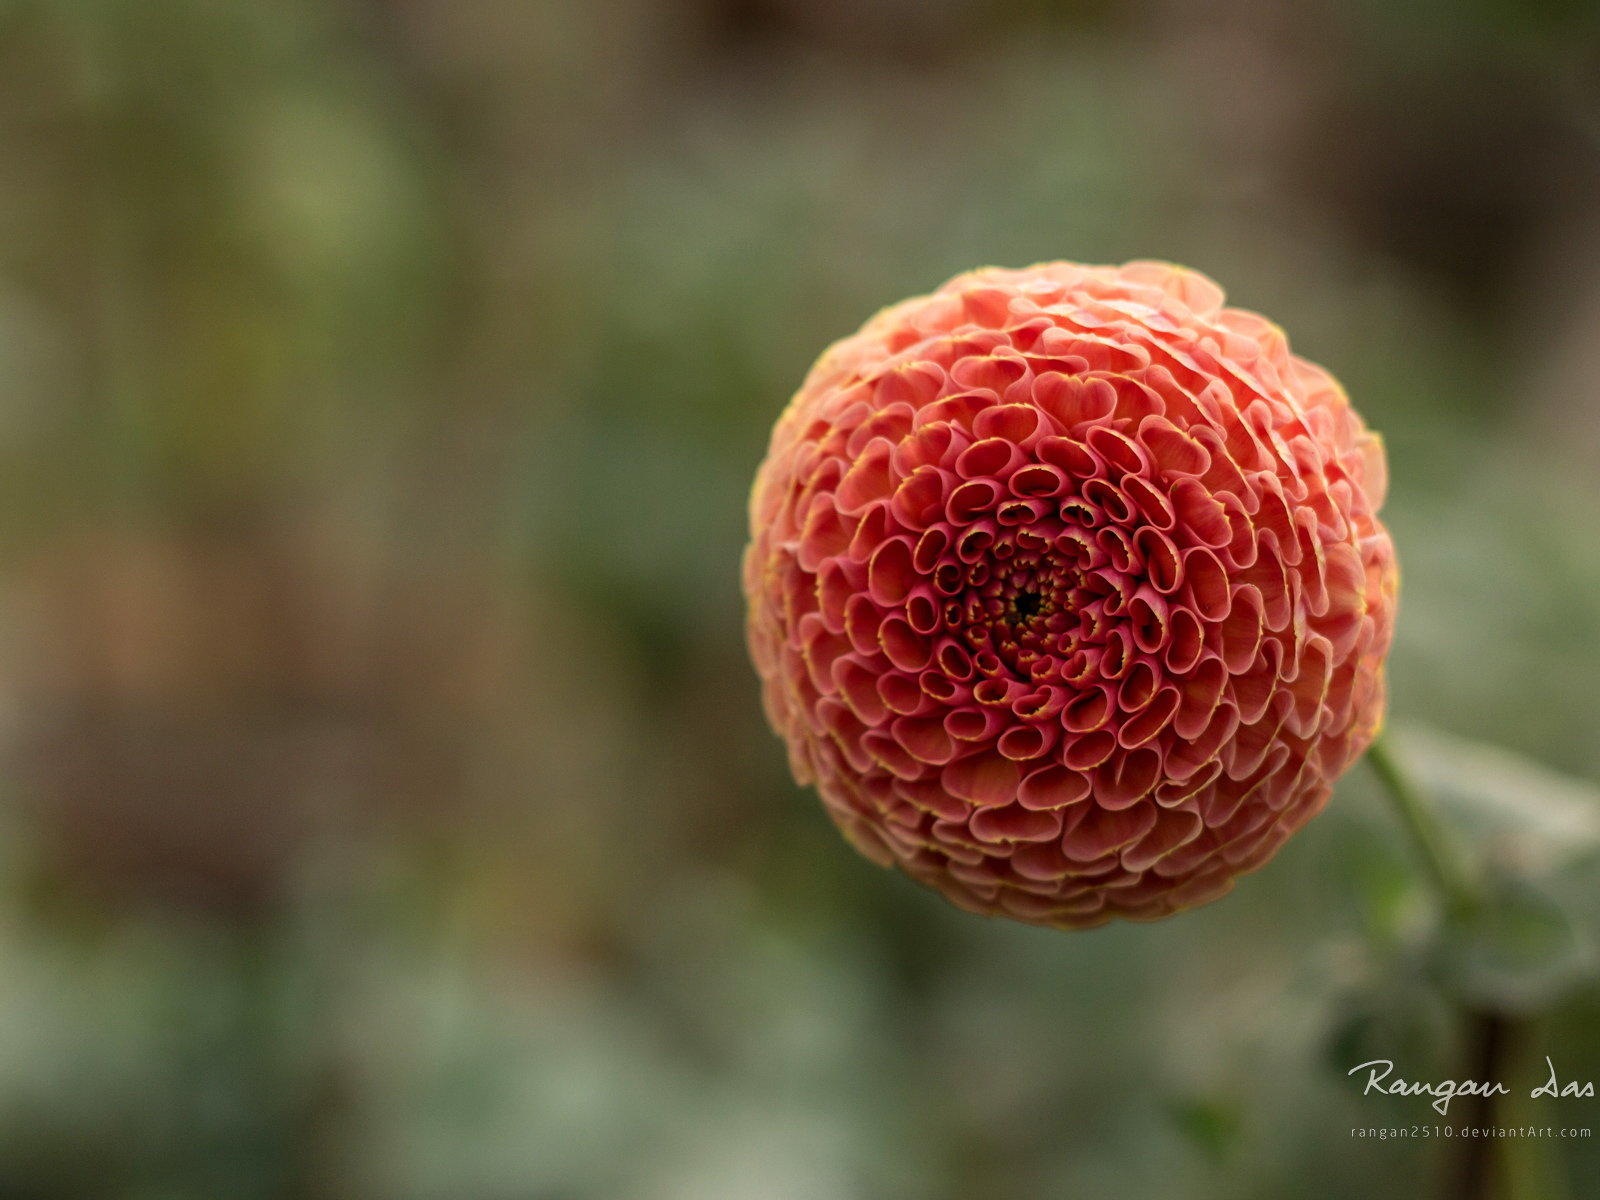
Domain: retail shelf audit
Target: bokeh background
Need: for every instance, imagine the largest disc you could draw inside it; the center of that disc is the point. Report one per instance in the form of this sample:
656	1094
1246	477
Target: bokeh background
385	807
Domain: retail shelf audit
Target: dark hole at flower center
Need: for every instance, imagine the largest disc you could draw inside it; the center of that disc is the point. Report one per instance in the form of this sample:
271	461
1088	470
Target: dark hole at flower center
1027	604
1021	613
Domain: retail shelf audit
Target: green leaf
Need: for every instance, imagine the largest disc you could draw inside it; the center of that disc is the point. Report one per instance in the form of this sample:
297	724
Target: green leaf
1533	817
1535	838
1520	952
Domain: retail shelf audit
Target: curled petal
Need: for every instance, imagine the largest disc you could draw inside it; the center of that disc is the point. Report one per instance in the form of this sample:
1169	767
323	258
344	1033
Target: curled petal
904	646
1154	507
984	779
900	693
991	458
1119	452
1103	831
1052	787
857	685
923	611
868	480
1145	725
1089	710
1199	693
1039	480
1073	401
919	499
1016	424
971	501
1148	618
1206	584
924	739
1200	514
1170	450
1013	823
1023	742
1127	778
1068	456
1172	830
890	575
1185	643
972	724
1089	749
1162	563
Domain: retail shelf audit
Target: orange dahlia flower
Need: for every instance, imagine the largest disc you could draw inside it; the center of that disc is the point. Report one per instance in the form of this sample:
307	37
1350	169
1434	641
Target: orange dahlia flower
1067	589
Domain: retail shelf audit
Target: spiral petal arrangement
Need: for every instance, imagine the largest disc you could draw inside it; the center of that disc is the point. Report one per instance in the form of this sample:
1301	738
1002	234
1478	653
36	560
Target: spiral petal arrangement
1067	590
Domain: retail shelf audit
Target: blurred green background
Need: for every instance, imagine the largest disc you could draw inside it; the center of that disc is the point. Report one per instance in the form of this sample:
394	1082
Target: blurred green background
386	809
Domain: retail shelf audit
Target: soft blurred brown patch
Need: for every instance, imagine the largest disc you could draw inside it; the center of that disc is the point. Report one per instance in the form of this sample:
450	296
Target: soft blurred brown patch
193	708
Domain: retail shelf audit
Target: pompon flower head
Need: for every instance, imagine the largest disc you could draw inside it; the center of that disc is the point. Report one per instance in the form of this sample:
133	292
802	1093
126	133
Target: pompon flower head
1067	590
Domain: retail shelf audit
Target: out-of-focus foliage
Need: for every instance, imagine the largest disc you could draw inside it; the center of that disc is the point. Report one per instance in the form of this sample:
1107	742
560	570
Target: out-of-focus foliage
386	811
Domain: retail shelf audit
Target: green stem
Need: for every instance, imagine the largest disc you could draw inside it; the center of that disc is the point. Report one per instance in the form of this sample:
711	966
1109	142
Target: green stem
1473	1168
1445	869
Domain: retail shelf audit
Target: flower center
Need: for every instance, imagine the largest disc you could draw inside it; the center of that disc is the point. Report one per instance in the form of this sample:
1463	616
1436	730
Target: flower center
1026	604
1015	606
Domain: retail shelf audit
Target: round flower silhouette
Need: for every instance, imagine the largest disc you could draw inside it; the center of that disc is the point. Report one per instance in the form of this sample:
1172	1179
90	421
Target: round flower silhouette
1067	589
